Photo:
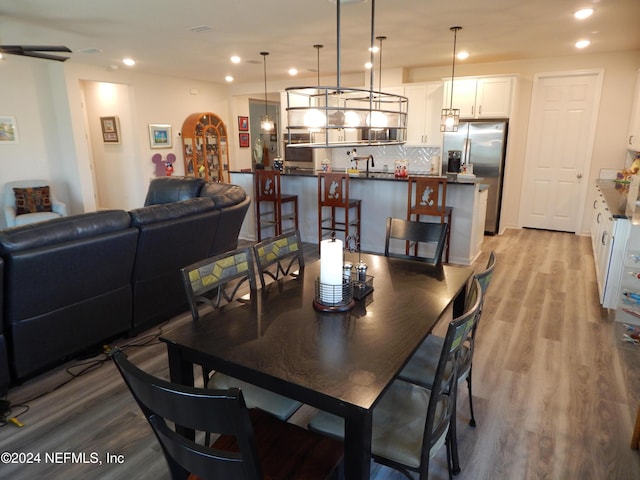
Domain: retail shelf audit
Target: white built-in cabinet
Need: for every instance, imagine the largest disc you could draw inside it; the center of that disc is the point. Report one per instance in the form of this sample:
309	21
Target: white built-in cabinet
633	139
423	119
481	97
478	220
609	236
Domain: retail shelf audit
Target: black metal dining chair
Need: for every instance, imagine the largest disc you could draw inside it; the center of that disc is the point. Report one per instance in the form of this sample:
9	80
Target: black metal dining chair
430	235
216	282
420	369
251	444
411	423
422	364
277	257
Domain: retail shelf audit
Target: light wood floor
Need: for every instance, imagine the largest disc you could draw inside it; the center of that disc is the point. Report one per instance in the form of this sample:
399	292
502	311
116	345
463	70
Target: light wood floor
555	390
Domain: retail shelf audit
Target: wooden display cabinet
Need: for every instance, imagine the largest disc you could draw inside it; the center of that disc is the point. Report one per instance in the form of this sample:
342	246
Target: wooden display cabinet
205	147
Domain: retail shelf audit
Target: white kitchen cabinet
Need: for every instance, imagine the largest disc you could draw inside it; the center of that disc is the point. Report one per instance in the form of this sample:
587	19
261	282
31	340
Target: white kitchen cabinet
609	235
425	105
479	215
633	139
484	97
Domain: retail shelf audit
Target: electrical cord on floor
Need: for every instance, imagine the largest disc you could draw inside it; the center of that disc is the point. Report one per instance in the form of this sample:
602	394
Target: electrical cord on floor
6	407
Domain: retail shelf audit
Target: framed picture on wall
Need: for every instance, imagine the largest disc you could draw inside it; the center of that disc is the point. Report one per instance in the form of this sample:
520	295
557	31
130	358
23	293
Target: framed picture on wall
110	129
244	140
243	124
8	130
160	136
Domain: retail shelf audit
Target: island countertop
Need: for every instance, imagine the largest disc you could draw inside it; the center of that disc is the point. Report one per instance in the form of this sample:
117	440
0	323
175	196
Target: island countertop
382	196
452	178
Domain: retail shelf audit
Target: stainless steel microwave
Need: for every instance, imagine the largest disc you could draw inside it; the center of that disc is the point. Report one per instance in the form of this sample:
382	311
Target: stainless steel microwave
297	155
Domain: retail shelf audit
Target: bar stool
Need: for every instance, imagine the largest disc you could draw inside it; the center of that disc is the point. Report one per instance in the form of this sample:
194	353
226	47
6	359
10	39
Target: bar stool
267	190
333	193
427	196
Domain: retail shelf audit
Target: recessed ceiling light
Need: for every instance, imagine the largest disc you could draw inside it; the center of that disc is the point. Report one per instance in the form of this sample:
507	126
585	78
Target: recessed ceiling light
235	59
293	72
228	79
90	51
583	13
374	49
462	55
583	43
200	28
129	62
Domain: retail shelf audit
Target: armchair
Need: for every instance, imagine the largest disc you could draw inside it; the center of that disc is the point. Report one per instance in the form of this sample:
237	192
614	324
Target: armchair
37	199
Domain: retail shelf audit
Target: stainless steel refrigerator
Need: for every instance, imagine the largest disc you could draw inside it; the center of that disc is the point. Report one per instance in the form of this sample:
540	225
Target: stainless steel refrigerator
483	144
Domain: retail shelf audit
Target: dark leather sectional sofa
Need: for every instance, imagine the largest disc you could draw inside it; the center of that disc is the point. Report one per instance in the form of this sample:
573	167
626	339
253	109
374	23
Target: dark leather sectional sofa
72	283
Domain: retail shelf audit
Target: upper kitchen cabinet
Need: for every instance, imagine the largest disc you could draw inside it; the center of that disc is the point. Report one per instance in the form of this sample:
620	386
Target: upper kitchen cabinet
205	147
483	97
423	120
633	139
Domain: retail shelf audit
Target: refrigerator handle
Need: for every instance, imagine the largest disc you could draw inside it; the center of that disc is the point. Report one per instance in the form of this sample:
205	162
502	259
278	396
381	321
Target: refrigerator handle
466	151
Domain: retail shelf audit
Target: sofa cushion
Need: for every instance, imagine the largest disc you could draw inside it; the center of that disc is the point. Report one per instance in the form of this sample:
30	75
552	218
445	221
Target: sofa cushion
160	213
63	229
32	200
223	194
173	189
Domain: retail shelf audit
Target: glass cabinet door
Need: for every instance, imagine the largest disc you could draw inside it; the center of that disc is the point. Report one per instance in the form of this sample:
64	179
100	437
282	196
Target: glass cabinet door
204	139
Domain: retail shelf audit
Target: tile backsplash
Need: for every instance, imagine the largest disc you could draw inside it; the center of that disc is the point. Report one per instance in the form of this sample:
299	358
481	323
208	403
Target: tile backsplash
419	157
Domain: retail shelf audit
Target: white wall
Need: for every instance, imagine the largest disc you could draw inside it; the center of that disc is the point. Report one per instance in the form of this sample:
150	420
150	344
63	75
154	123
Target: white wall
58	133
613	118
151	99
25	95
47	100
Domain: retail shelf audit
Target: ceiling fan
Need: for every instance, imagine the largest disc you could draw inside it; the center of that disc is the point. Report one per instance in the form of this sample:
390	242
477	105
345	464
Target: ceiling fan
36	51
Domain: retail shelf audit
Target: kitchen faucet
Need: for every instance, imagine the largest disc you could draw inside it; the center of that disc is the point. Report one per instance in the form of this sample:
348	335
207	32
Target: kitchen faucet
354	158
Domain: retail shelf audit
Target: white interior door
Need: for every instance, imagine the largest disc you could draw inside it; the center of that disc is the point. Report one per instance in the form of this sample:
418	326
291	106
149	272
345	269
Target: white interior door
558	153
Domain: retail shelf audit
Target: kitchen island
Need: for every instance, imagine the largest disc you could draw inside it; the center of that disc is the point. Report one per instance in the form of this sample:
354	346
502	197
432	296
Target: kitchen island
382	196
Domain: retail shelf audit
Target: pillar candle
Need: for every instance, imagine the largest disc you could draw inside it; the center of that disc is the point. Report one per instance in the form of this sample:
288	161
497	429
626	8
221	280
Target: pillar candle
331	253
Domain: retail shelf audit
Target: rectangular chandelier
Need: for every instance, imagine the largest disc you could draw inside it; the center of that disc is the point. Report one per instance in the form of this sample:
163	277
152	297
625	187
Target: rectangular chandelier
345	117
449	119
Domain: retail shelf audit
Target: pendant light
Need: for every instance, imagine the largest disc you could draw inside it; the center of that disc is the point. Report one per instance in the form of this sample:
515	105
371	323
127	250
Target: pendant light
377	120
451	116
266	122
325	111
314	119
318	47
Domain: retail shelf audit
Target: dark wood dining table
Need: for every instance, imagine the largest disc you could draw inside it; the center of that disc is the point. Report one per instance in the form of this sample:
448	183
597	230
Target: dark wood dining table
339	362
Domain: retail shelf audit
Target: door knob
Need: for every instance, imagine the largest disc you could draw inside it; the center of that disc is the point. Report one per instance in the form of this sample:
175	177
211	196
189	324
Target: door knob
579	175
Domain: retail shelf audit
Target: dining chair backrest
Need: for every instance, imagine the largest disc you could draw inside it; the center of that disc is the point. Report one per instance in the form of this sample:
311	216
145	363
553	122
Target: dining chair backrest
427	195
333	189
485	276
431	234
219	411
267	185
277	256
216	281
444	383
484	279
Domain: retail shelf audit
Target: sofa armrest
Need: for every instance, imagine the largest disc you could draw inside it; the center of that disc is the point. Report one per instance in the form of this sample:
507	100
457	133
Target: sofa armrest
10	216
223	194
173	189
58	207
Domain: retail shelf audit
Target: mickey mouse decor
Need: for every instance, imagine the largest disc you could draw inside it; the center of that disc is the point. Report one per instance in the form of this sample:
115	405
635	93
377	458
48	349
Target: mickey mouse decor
163	167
